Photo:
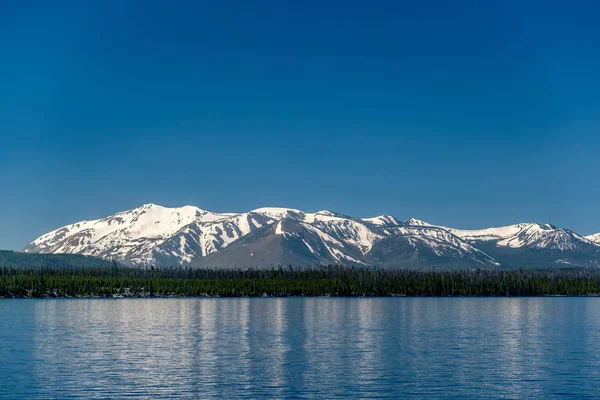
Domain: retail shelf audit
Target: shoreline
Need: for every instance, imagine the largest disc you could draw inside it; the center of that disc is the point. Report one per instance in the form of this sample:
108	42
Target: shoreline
324	282
333	296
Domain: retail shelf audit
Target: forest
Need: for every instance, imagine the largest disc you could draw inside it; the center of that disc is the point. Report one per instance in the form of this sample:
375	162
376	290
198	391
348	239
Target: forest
332	280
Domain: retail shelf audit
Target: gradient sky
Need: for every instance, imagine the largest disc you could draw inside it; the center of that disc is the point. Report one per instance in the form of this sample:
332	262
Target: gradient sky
463	113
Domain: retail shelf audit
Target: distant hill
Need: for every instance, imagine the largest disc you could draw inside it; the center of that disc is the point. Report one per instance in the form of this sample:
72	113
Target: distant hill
31	260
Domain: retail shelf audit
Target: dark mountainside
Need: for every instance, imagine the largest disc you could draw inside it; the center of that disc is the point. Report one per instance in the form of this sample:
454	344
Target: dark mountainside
33	260
265	249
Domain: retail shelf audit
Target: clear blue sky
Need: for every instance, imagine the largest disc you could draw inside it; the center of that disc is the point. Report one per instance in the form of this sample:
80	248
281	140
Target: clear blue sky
464	113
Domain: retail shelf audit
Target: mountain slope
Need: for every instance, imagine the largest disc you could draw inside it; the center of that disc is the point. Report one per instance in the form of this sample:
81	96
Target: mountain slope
421	245
533	245
158	235
595	238
295	242
272	236
127	236
23	260
288	241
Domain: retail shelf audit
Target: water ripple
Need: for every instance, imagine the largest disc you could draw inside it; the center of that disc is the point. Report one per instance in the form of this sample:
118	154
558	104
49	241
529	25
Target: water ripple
300	348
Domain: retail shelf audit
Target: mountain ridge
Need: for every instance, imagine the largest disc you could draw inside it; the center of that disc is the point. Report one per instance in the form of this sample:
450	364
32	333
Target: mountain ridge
268	236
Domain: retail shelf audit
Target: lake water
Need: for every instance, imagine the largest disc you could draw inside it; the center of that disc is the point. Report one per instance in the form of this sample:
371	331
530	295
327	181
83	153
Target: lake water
300	348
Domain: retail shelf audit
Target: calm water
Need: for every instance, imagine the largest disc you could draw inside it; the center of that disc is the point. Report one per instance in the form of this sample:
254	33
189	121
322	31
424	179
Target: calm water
300	348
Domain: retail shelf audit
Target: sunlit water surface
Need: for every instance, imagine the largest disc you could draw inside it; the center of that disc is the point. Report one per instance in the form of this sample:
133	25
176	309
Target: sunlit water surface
300	348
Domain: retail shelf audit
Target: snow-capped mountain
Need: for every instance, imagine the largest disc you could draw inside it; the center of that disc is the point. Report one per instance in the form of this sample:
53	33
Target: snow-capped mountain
326	237
157	235
266	237
594	238
533	245
130	236
526	235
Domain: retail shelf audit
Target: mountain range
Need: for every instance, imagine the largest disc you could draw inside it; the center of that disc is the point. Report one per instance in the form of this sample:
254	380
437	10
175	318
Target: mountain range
267	237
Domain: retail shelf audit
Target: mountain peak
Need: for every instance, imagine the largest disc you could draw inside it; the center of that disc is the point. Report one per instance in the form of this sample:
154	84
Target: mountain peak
277	212
416	222
326	212
185	210
382	220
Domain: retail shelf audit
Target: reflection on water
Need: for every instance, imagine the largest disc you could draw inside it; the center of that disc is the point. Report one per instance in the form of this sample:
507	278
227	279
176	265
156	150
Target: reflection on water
303	348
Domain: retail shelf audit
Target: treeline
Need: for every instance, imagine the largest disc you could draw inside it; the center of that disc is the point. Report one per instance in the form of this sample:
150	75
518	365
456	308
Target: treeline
333	280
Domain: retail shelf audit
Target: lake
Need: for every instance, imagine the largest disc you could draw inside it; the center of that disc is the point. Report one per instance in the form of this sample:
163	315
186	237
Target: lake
328	348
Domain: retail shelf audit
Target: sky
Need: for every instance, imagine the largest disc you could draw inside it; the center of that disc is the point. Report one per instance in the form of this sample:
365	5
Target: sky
465	113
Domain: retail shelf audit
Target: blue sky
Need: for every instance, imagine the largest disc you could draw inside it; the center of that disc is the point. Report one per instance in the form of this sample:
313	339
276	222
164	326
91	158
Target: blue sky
463	113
